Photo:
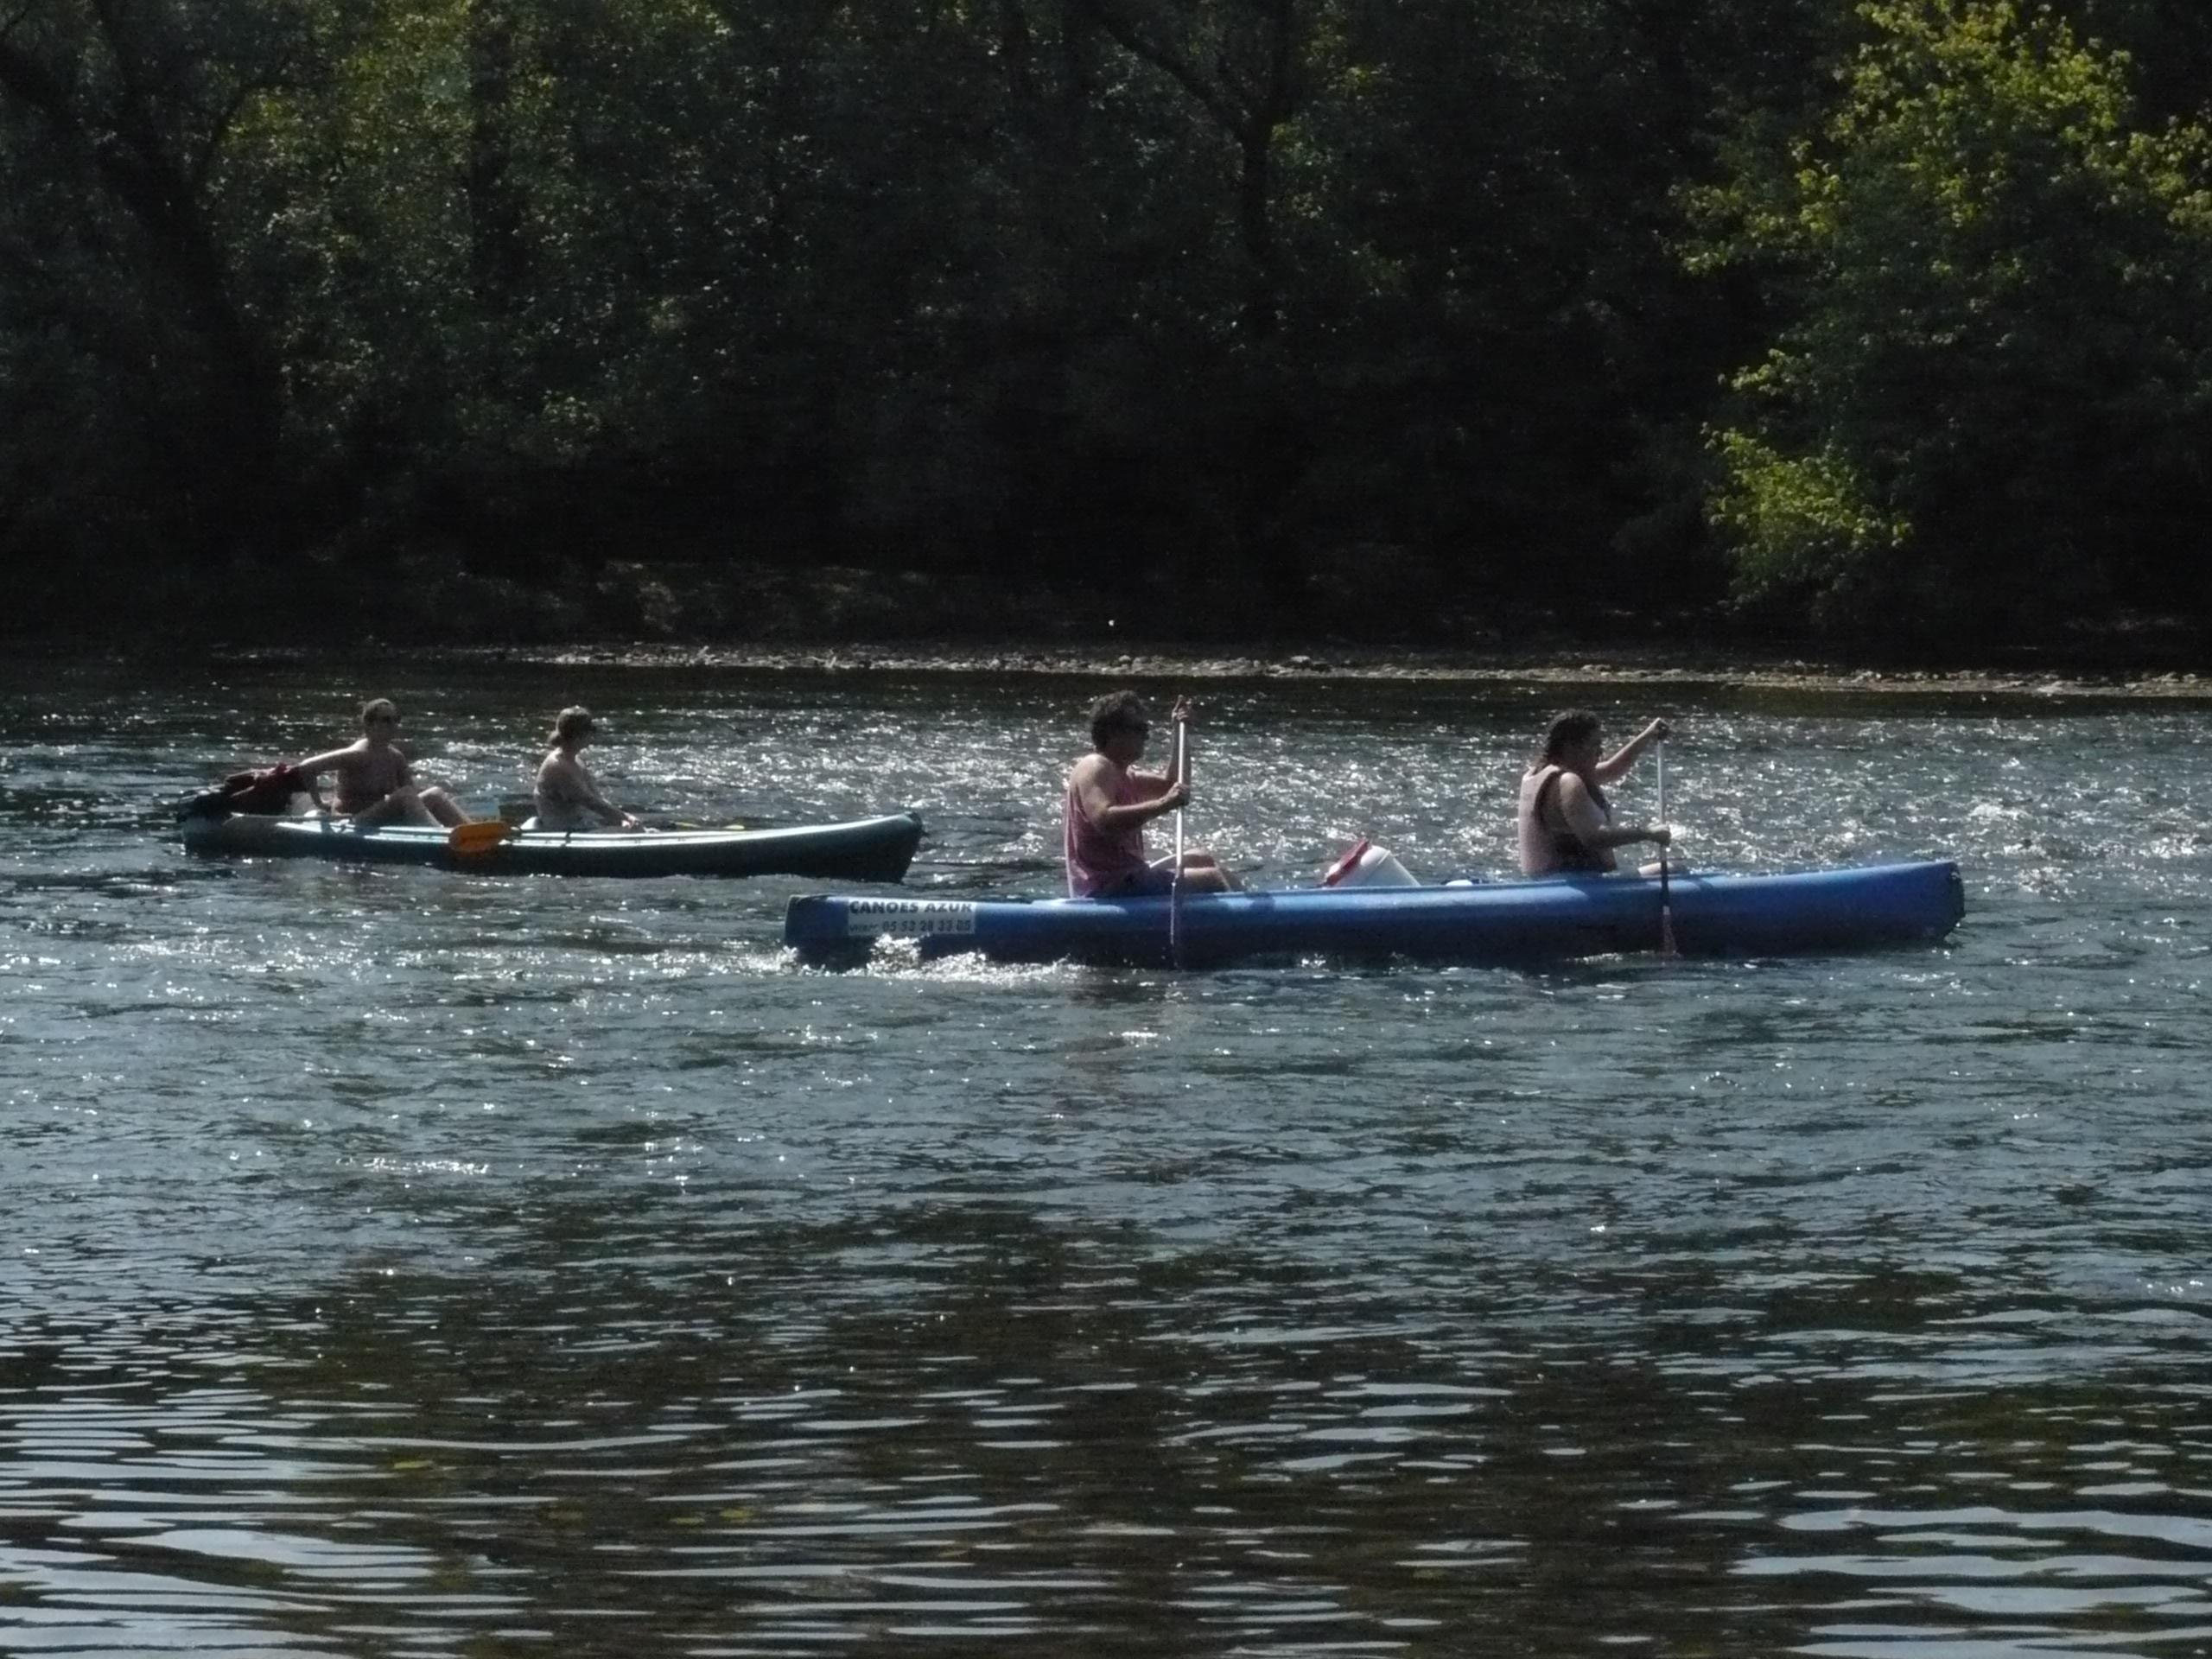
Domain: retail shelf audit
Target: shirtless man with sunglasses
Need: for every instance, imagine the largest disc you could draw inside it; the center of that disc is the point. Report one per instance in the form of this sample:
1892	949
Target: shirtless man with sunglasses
376	782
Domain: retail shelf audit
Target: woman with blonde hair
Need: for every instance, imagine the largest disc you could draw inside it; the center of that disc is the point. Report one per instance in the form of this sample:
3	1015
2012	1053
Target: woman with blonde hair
567	796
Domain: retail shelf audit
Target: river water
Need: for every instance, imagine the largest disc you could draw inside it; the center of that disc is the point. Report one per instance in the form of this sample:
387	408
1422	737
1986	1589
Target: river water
400	1262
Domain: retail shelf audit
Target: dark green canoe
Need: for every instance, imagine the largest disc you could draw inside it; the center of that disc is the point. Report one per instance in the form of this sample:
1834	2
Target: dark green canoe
865	849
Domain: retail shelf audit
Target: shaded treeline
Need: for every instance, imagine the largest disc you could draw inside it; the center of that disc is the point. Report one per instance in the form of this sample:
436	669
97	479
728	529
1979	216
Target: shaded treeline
1839	313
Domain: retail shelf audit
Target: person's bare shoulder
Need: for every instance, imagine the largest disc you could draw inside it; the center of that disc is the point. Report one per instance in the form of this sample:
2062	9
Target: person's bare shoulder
1094	784
1576	805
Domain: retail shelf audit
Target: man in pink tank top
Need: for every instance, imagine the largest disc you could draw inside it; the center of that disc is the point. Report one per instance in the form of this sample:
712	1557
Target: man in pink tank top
1108	805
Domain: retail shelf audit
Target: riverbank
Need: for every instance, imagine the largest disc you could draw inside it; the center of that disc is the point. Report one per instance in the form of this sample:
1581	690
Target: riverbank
842	619
1562	665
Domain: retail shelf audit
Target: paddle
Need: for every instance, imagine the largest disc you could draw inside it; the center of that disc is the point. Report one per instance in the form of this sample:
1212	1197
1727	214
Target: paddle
468	840
517	809
1179	775
1666	899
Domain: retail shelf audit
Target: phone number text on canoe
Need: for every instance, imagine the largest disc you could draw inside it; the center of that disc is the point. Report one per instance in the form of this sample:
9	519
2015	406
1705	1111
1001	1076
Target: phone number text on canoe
907	919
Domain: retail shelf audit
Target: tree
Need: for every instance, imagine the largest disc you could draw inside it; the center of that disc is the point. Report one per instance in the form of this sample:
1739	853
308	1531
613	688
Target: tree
118	120
1990	397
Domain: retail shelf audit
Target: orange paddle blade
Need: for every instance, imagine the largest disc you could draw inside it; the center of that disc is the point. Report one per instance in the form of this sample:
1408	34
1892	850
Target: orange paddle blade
480	836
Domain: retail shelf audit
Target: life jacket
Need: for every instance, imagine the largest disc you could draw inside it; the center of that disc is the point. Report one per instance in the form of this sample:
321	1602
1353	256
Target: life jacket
266	788
1549	849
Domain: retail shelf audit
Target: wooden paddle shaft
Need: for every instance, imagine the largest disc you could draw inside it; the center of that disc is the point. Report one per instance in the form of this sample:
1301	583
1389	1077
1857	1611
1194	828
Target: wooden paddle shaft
1180	775
1175	878
1667	947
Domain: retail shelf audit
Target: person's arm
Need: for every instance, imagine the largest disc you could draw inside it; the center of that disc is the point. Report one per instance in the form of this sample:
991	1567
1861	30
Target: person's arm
313	767
606	809
1615	767
1588	825
1153	784
565	782
1099	804
1179	718
339	760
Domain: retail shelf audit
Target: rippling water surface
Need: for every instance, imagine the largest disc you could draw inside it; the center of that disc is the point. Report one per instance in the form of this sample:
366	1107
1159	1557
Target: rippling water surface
400	1262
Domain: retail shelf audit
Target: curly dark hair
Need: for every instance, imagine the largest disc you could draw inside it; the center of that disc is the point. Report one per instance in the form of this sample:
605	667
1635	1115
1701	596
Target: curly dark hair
1117	711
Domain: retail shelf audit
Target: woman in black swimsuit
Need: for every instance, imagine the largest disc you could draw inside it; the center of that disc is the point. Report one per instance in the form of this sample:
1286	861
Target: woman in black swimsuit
1565	822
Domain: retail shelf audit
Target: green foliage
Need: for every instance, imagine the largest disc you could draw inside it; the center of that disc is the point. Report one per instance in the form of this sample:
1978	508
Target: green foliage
1995	343
1809	528
1207	296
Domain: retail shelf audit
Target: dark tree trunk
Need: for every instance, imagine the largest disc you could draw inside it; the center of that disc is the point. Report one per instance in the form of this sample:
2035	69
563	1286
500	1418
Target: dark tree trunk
498	263
231	449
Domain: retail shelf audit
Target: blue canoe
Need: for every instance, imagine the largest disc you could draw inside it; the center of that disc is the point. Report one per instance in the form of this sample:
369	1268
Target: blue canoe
1496	921
865	849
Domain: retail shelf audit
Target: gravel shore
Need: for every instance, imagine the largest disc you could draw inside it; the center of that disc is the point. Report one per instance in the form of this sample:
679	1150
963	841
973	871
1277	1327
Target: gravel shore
1564	668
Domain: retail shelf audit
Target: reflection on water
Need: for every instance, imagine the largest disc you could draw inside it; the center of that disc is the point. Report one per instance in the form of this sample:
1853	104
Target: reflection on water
405	1263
